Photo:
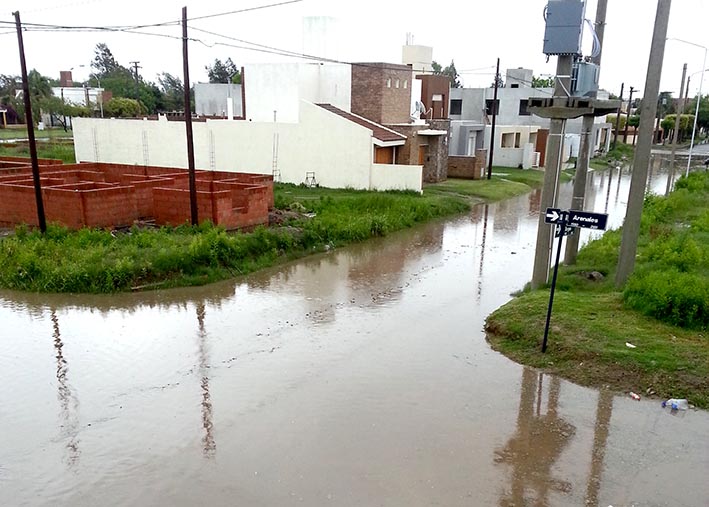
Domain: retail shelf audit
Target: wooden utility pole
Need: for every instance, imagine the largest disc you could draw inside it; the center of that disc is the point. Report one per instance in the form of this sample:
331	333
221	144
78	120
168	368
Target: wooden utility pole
631	226
555	145
188	122
587	141
675	134
30	128
135	77
627	115
617	117
494	118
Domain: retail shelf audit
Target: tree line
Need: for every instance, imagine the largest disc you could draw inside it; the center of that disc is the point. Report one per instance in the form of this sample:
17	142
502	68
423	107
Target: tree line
131	94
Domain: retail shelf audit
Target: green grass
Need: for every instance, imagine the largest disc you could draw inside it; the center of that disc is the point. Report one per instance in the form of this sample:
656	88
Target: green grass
95	261
20	132
663	309
505	183
50	149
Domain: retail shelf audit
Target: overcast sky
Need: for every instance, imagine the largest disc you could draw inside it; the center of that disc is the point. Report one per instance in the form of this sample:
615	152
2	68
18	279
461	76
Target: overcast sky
471	32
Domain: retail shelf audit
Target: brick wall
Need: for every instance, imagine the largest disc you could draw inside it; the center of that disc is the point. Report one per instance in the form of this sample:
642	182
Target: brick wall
375	95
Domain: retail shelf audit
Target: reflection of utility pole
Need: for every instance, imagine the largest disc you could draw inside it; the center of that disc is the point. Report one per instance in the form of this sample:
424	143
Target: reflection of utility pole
604	409
482	253
631	225
135	76
68	402
209	445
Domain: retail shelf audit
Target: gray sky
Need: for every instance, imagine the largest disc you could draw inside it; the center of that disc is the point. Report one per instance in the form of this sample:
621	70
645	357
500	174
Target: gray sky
471	32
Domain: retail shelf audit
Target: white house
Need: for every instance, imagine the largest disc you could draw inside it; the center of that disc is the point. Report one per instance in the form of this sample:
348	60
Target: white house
520	136
324	146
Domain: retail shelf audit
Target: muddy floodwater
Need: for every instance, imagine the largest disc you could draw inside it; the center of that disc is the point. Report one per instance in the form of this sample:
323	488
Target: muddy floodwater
360	377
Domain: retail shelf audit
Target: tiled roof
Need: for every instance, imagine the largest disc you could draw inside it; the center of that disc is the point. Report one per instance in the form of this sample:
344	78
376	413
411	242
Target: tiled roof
379	132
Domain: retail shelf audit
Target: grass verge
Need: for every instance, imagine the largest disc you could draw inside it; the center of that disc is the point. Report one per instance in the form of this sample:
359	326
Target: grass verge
20	132
663	310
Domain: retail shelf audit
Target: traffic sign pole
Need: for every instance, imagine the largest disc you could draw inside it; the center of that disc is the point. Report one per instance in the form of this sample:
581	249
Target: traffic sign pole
562	231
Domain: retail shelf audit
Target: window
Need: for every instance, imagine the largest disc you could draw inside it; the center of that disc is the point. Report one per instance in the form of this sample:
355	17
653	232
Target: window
406	83
523	108
489	107
518	139
507	140
456	106
514	85
396	83
388	82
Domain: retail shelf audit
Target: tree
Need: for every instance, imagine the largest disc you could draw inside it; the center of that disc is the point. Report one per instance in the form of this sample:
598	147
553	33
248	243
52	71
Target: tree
542	82
173	92
223	72
60	110
611	118
449	71
104	61
686	121
703	116
121	107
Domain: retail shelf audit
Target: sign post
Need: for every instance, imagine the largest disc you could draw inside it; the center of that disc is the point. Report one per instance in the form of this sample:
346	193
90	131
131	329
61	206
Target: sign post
566	220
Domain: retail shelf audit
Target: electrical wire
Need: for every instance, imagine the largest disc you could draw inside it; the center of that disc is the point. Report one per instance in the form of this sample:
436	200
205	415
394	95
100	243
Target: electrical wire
151	25
596	50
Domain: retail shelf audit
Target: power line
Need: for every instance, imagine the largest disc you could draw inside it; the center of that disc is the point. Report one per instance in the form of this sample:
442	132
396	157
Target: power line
151	25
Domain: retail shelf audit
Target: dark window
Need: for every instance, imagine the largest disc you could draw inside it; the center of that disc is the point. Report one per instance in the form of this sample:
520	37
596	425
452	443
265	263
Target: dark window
523	108
489	107
514	85
456	106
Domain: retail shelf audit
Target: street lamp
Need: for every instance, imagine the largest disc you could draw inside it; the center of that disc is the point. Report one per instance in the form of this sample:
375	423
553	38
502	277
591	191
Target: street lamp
699	98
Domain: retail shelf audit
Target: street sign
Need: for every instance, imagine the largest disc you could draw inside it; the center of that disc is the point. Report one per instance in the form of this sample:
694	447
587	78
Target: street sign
554	216
587	219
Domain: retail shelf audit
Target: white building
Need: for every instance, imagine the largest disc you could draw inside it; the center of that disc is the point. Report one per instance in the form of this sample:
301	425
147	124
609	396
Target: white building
322	147
520	138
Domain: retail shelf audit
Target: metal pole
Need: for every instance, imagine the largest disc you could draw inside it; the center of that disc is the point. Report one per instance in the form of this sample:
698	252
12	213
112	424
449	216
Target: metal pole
627	116
562	230
617	117
542	251
696	113
30	128
188	122
585	151
631	225
675	134
494	119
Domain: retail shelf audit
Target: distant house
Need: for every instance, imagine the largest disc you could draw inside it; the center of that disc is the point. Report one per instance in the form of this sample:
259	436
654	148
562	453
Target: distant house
218	99
520	137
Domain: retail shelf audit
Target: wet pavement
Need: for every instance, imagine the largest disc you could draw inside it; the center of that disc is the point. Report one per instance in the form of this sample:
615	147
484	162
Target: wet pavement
357	377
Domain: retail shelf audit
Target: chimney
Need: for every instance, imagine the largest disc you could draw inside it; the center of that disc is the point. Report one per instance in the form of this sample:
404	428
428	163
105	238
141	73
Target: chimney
65	80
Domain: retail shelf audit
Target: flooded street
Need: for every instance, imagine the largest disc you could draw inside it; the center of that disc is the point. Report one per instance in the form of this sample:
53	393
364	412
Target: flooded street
359	377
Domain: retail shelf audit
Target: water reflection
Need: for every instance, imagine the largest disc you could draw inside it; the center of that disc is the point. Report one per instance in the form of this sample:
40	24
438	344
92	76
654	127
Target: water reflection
478	293
537	444
68	402
208	443
601	429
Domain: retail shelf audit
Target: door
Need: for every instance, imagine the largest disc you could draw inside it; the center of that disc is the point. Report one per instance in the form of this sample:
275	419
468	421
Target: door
422	153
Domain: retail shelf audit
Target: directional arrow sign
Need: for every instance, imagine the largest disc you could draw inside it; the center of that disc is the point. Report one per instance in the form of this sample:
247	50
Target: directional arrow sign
587	220
554	216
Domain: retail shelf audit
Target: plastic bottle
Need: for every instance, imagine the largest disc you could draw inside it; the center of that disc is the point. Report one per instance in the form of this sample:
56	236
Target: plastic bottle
676	404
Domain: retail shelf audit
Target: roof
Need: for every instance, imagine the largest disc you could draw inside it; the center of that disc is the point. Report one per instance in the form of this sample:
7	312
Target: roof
379	132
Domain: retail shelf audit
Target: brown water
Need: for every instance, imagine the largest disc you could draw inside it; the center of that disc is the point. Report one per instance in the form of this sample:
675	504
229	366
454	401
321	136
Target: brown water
359	377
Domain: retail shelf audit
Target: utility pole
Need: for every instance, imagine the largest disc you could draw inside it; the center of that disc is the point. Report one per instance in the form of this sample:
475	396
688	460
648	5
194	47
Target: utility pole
627	115
555	145
579	190
631	225
135	76
188	122
675	134
617	116
494	118
30	128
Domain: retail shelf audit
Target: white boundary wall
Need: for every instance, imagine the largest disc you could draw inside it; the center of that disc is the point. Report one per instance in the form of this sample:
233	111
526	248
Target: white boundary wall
338	151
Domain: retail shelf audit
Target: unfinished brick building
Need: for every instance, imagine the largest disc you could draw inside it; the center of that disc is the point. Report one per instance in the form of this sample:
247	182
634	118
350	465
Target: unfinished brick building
113	195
